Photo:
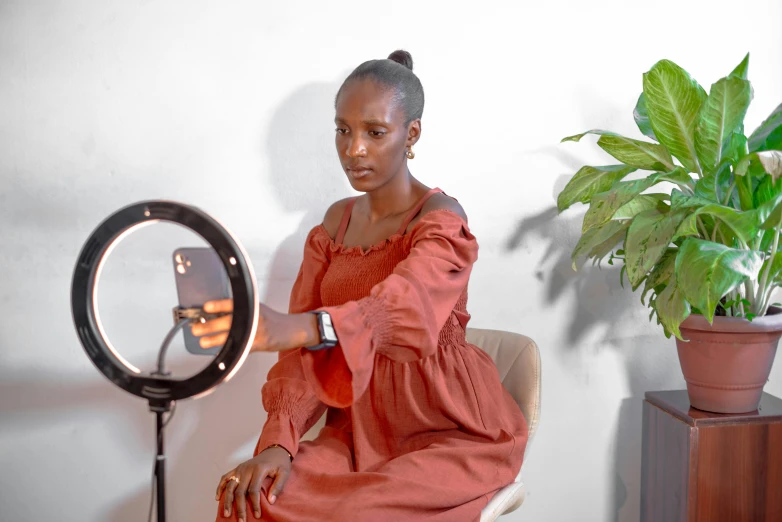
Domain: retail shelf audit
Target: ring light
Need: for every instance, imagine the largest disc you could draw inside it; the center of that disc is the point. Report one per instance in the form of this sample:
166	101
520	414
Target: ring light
84	294
157	388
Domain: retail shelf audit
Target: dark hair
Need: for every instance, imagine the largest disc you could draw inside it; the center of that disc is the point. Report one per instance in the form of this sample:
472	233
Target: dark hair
396	72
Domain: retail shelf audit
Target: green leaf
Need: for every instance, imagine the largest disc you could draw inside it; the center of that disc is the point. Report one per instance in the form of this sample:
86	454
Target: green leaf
589	181
605	248
769	160
641	203
745	225
706	271
688	227
768	239
641	117
737	146
577	137
673	101
679	176
744	190
776	266
680	200
714	185
648	237
768	136
769	214
597	242
661	272
639	154
604	205
768	208
635	153
722	113
741	69
672	307
765	191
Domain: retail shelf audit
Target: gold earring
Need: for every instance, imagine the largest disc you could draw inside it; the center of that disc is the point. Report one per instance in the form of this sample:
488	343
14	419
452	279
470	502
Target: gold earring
410	154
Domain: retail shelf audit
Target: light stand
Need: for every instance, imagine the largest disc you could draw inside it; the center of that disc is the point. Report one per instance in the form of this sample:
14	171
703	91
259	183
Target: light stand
160	459
158	388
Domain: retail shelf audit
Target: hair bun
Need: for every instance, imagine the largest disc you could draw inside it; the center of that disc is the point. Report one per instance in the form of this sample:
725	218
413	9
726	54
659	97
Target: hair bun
402	57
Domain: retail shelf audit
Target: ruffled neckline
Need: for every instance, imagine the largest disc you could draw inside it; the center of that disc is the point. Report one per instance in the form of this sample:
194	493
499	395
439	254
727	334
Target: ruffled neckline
341	248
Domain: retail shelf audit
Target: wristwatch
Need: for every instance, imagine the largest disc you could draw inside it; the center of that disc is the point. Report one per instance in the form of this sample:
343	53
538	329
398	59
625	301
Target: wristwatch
328	336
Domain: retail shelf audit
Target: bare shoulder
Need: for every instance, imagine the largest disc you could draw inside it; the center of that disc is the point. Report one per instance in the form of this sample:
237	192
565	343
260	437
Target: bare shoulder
440	201
333	216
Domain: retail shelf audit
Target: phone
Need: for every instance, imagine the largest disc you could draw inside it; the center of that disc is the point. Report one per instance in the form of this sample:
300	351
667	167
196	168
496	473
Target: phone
200	277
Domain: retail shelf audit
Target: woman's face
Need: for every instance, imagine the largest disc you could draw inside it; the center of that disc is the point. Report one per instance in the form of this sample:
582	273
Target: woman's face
371	134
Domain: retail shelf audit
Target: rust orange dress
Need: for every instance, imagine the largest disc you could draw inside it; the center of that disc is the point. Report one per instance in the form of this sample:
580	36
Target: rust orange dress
419	426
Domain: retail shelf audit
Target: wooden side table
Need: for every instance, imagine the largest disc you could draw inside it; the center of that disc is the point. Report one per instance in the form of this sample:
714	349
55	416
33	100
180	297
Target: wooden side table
708	467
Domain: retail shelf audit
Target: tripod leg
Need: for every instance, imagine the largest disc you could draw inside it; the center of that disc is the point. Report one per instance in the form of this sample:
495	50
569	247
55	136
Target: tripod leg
160	470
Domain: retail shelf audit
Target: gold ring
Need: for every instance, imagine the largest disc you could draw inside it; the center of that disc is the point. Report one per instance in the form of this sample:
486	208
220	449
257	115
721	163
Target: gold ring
234	478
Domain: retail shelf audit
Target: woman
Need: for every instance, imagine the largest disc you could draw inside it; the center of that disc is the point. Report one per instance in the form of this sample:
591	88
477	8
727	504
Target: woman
419	426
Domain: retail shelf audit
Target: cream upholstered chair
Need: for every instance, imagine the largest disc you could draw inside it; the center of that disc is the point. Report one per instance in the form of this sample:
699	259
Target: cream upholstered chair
518	362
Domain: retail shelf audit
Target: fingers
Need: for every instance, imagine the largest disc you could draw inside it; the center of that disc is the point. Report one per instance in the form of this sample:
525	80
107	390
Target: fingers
254	492
219	327
279	482
222	483
228	499
212	341
221	305
240	494
220	324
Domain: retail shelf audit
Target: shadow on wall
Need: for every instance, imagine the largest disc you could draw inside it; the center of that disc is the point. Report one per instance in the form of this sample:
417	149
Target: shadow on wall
306	177
590	286
650	366
599	303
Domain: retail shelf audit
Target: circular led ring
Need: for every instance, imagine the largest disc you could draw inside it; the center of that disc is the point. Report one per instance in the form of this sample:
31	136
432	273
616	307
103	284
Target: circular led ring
87	320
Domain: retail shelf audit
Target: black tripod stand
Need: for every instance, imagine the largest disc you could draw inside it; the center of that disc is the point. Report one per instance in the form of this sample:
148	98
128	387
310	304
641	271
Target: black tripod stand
160	407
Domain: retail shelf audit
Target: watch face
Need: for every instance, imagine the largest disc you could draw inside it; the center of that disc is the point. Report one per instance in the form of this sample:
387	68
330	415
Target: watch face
329	334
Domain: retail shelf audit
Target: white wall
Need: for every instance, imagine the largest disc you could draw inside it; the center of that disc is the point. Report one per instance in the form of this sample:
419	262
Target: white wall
228	106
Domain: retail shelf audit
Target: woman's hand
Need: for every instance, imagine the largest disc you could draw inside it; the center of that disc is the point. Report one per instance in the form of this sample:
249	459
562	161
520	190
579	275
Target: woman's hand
274	463
276	331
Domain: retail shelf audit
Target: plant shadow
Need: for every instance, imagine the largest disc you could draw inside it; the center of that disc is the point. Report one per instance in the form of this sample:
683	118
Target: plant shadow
602	312
590	285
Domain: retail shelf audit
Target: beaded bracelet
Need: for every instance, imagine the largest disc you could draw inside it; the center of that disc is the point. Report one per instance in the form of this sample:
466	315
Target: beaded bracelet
278	446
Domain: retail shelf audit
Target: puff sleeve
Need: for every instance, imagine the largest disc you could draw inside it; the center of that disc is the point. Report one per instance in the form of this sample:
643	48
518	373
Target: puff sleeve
403	315
289	400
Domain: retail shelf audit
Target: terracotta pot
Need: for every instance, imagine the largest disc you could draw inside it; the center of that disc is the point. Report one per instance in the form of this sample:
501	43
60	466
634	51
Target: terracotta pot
726	364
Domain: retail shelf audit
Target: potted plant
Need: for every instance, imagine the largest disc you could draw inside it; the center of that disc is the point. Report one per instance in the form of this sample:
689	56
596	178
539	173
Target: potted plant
706	250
